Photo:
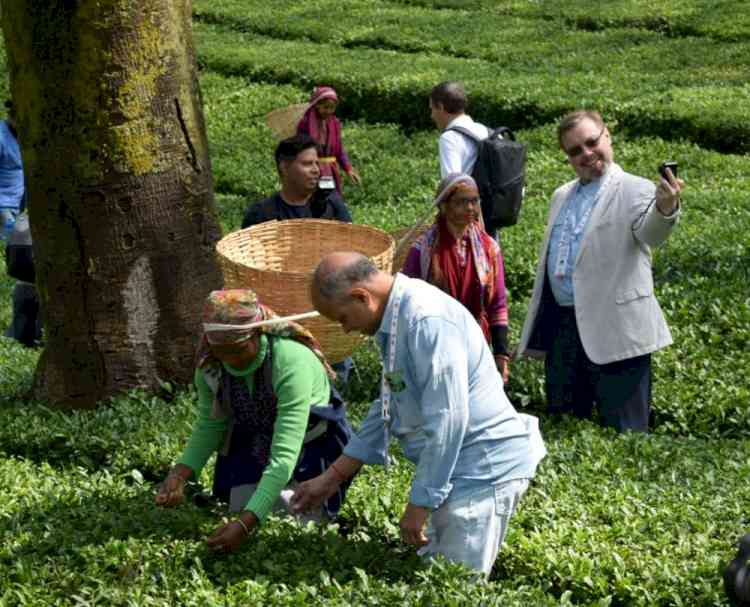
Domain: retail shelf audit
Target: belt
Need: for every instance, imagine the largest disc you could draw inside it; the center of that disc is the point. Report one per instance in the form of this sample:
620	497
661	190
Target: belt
327	159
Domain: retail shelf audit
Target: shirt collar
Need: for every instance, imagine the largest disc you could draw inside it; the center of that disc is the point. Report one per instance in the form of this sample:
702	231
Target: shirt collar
595	184
385	322
458	120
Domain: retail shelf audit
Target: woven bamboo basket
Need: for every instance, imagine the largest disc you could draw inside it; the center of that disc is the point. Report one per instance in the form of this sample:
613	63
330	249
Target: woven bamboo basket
277	258
403	239
283	121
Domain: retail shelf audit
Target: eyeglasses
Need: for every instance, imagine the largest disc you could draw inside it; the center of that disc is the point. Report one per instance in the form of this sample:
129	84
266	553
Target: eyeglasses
465	202
589	144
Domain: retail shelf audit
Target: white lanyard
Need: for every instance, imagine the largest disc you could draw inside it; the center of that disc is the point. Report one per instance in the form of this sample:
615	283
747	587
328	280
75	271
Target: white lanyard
385	388
571	229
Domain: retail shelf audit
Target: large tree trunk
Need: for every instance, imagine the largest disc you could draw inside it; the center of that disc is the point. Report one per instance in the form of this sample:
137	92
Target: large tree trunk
120	190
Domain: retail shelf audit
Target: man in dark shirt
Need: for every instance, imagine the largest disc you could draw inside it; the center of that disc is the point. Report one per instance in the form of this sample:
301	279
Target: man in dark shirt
299	197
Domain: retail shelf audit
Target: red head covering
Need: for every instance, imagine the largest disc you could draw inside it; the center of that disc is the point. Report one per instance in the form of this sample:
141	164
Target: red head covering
327	133
472	283
311	123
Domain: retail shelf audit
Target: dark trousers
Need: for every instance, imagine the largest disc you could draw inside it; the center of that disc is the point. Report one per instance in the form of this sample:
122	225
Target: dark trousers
26	324
621	390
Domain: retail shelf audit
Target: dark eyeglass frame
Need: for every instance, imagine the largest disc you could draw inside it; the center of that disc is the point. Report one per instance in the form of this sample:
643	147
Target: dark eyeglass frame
589	144
465	202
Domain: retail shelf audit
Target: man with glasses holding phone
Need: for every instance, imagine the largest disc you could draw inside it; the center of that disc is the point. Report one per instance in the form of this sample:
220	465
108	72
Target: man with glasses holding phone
593	315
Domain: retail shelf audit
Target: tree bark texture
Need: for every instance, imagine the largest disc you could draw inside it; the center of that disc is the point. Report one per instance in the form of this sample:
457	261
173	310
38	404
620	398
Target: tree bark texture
120	190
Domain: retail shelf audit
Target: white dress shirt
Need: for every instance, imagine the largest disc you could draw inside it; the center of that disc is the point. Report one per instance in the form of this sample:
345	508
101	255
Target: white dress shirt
458	153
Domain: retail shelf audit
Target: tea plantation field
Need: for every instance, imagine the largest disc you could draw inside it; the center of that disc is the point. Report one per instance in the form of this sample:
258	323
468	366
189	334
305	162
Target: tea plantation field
609	520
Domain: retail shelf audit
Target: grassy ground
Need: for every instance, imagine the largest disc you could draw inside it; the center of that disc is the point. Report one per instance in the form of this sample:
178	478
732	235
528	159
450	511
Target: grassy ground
609	520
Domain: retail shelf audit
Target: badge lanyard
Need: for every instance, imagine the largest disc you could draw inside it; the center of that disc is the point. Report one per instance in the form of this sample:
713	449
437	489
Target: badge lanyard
571	229
385	388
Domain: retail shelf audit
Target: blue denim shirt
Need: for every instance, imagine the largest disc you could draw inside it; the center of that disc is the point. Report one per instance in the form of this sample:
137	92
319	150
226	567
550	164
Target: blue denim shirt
451	414
583	197
11	170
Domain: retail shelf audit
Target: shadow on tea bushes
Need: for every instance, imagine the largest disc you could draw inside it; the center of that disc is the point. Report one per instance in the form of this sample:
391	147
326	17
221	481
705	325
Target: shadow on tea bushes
72	532
17	365
135	431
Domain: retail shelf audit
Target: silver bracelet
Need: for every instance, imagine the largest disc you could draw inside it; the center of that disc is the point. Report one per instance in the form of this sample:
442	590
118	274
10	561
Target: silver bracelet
244	526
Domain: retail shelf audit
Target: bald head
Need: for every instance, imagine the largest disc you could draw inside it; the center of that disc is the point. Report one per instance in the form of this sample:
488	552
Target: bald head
338	272
347	287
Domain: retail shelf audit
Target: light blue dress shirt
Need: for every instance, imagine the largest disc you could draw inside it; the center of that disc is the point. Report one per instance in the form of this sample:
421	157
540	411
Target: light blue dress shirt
574	209
448	407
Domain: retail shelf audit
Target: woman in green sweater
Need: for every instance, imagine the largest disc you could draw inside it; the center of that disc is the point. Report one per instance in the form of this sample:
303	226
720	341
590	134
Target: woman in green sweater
266	405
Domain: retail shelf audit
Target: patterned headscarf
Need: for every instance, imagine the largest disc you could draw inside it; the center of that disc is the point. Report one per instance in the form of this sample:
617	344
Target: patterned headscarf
473	286
452	183
241	307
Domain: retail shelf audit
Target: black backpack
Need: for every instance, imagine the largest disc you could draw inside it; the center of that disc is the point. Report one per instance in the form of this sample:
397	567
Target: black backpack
500	173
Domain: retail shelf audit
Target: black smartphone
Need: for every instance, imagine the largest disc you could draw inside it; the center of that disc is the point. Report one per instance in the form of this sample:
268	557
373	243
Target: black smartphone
668	164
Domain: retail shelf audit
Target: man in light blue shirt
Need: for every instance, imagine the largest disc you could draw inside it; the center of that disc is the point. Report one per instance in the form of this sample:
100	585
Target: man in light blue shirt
567	231
443	399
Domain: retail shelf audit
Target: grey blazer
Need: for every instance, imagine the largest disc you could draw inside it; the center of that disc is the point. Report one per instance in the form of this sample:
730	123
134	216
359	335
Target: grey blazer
616	311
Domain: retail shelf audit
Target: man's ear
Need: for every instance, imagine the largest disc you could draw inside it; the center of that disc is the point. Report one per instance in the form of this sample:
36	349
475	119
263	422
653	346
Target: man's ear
282	168
360	295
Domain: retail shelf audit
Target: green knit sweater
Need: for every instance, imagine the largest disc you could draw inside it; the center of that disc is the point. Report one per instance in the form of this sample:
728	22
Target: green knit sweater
299	382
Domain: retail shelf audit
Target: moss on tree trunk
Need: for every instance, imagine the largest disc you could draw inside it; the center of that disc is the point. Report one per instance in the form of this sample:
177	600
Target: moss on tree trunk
120	190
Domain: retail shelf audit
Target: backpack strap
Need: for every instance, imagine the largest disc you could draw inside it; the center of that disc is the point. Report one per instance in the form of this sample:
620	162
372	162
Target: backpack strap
465	132
505	133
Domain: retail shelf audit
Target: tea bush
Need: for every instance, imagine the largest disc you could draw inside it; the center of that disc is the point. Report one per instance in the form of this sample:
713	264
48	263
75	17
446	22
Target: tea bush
725	20
609	520
376	88
506	29
400	175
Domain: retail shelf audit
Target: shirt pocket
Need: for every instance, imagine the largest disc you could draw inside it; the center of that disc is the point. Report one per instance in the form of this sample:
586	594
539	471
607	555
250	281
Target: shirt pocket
633	294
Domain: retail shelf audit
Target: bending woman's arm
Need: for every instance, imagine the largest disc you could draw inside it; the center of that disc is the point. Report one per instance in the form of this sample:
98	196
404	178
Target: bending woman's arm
207	432
204	440
299	381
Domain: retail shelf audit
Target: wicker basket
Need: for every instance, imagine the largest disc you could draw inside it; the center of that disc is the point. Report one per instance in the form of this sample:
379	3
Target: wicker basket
401	249
277	258
283	121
